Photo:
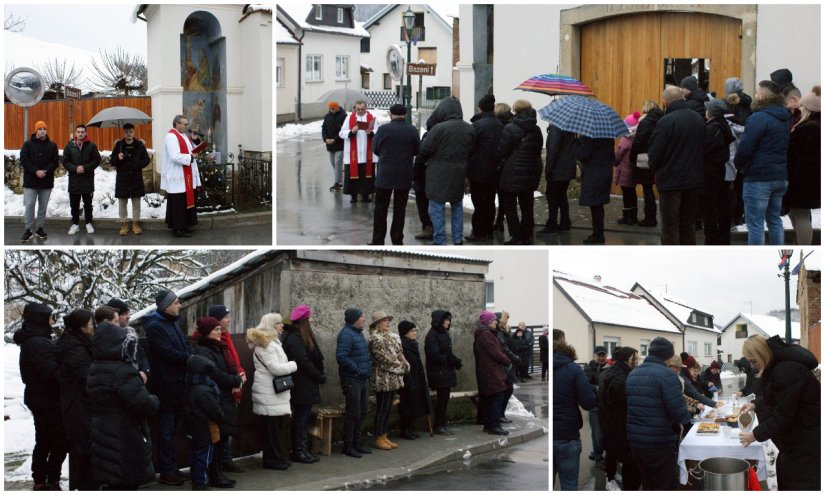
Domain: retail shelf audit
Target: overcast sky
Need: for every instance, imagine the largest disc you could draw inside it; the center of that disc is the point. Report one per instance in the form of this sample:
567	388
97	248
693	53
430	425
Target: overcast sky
91	27
720	281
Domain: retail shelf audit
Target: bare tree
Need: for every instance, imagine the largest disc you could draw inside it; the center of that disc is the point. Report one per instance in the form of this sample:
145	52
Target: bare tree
14	24
57	75
120	72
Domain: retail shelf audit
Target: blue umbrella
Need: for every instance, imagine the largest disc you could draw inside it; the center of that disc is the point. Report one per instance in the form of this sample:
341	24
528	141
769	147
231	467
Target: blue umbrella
585	116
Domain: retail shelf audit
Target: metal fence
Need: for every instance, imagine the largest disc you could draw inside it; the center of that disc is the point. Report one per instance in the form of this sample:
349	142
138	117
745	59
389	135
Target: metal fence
382	99
254	185
242	185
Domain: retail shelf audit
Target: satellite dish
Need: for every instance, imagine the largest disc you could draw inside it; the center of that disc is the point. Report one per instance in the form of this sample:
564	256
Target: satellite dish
24	87
395	63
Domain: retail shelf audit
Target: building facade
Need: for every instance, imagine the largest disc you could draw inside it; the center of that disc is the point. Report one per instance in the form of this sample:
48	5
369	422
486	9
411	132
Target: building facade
744	325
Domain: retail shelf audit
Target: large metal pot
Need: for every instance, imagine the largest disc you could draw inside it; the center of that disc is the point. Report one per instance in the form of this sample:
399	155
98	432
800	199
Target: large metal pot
723	474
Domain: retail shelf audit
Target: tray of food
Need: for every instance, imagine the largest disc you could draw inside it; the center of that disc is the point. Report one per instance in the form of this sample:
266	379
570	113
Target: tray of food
707	429
728	418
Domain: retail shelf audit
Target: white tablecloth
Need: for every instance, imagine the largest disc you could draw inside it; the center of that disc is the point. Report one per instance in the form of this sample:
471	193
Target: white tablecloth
699	448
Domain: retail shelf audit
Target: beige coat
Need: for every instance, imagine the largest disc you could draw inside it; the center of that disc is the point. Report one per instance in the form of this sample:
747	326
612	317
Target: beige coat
387	361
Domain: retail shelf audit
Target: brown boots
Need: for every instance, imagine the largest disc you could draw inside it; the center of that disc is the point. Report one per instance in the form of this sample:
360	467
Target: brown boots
124	228
384	443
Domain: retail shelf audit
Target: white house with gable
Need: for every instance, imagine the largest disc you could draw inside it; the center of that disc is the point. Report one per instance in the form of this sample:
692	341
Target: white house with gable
745	325
328	55
698	331
432	43
591	313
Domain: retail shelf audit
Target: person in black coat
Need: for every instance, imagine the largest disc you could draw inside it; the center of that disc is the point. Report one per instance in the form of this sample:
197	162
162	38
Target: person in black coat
333	121
694	95
506	341
419	185
543	353
482	169
80	159
40	373
596	157
300	345
396	145
129	158
715	198
74	358
738	101
441	366
613	417
207	337
414	399
559	170
121	443
38	158
711	381
522	349
788	411
805	168
676	156
520	152
123	317
644	176
202	416
752	383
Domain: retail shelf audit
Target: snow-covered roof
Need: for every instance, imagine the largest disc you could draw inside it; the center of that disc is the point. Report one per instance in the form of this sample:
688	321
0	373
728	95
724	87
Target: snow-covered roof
25	51
770	325
298	12
389	8
283	36
250	9
680	309
365	67
605	304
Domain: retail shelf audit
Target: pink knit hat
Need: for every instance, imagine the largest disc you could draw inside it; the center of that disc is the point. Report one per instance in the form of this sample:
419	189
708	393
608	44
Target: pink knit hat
300	312
632	120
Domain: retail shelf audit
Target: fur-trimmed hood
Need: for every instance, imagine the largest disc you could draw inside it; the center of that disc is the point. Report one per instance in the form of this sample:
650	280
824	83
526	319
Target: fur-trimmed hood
259	337
564	351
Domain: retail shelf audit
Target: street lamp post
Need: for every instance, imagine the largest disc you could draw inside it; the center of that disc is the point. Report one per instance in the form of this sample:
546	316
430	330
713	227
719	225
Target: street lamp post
786	263
409	23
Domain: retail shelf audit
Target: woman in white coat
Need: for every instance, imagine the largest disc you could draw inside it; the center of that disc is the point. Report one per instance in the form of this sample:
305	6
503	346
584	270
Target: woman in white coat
273	408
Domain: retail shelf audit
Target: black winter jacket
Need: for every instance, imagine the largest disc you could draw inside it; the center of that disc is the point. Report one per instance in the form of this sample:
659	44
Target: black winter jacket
129	178
596	157
593	370
676	149
168	351
74	358
752	382
202	403
225	379
483	164
640	144
509	350
438	348
38	360
718	137
571	391
445	150
38	155
561	155
693	389
415	398
613	409
89	157
396	145
520	150
121	443
331	127
805	165
310	374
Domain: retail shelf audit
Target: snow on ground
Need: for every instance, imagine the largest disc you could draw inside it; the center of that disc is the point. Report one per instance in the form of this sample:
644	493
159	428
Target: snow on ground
516	408
816	222
314	128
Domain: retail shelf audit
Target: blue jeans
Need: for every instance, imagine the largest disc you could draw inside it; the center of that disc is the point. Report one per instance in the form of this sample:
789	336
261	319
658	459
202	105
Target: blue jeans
436	211
763	203
595	433
566	455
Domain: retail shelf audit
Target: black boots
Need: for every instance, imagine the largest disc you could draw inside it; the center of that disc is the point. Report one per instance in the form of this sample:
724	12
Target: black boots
629	216
216	477
300	448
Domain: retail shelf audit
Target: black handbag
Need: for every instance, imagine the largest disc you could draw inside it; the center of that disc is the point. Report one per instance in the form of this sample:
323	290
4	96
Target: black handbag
280	383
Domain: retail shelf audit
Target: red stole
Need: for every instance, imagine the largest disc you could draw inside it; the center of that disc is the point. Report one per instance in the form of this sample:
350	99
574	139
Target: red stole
353	147
187	170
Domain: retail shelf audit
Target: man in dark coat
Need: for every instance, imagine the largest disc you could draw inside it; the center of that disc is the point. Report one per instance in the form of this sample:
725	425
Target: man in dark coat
353	357
129	158
396	145
39	160
738	101
644	176
422	202
490	370
613	417
441	366
694	95
74	357
333	121
80	159
782	78
482	169
676	153
715	198
752	383
445	151
762	158
593	370
656	412
543	353
414	396
39	372
168	351
559	170
121	443
571	393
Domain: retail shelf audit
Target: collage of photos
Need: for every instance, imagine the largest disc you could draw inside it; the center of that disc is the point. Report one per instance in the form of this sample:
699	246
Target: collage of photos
342	235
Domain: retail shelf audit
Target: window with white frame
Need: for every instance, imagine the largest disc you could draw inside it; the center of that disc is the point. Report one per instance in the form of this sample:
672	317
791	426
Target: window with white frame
490	289
644	344
693	347
279	72
318	12
314	64
342	67
340	15
708	349
611	343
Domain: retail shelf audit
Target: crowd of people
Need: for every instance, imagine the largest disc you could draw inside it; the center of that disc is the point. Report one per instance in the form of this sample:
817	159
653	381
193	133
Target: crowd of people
179	178
92	392
641	410
716	163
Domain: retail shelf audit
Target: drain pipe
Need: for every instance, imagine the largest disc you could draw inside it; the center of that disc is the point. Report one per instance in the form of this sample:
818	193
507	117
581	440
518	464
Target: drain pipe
593	331
298	103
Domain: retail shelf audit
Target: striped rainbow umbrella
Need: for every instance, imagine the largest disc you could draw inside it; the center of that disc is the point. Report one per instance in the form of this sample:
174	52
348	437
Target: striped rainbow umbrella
555	84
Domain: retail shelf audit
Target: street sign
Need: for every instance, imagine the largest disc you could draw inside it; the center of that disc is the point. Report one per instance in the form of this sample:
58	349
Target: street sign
421	69
72	92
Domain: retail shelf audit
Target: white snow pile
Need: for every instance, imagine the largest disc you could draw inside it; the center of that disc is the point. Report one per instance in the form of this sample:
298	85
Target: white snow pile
516	408
296	130
816	222
727	374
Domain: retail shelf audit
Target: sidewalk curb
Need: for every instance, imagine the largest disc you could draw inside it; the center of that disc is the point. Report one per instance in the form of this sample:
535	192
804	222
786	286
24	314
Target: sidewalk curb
210	221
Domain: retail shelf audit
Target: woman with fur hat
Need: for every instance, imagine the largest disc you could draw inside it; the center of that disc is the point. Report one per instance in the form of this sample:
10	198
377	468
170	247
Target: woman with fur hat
805	167
388	369
273	408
